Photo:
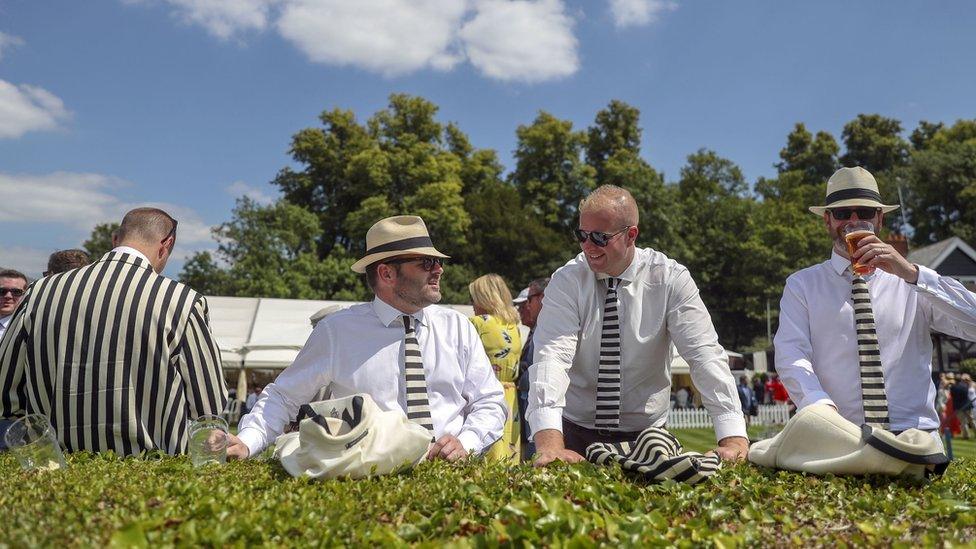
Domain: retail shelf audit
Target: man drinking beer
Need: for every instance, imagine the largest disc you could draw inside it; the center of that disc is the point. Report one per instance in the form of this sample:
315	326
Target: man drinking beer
854	330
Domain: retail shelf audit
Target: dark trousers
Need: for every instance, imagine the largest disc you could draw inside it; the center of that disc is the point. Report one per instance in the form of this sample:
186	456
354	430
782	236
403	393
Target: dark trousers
528	447
577	438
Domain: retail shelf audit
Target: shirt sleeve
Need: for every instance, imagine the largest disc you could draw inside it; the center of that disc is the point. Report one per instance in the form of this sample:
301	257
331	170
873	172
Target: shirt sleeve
486	411
555	338
951	307
199	365
295	385
13	361
693	334
794	349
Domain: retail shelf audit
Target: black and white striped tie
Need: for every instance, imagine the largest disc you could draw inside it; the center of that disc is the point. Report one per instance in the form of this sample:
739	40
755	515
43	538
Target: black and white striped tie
418	406
873	396
608	380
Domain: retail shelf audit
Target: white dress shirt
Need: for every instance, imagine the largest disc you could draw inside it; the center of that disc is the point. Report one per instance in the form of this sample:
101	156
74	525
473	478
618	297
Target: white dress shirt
360	350
816	345
133	251
659	309
4	322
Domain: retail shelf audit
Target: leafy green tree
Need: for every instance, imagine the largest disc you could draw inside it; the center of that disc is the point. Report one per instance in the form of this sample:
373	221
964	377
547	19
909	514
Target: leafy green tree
270	251
550	174
814	157
941	184
874	142
100	241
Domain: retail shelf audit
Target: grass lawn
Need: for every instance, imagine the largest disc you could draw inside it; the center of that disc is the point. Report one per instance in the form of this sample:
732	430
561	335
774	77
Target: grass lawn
103	500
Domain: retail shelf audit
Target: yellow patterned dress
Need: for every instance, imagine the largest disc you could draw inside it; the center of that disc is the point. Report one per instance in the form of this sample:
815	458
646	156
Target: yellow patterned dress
503	343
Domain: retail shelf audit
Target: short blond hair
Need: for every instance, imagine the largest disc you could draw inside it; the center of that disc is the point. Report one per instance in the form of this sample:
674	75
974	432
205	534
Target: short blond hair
617	200
489	292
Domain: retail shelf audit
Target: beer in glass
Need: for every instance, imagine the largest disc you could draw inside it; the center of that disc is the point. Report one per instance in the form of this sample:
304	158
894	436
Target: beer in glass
853	234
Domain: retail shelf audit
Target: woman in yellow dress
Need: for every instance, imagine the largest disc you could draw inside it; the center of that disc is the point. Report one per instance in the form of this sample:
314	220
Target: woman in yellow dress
497	323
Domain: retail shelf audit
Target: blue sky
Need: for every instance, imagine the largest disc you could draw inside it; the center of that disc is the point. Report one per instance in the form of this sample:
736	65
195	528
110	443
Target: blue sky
109	104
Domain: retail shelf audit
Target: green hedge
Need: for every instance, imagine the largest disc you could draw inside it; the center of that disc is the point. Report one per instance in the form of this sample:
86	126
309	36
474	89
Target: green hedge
133	502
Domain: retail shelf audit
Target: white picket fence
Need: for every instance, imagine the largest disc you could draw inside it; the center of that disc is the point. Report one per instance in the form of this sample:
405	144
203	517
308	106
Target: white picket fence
696	418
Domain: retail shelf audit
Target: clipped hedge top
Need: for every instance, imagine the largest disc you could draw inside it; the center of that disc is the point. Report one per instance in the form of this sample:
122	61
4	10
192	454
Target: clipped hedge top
101	499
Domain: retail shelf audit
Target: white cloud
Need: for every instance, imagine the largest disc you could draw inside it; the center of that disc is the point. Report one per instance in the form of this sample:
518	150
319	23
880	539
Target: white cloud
634	13
7	41
225	18
79	201
529	41
30	261
387	36
26	108
259	195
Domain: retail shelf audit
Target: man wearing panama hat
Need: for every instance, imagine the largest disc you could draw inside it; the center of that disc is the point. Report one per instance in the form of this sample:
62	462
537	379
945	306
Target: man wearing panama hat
860	342
404	351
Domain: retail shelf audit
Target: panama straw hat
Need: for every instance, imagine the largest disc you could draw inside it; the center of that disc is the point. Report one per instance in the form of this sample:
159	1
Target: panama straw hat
852	187
819	440
393	236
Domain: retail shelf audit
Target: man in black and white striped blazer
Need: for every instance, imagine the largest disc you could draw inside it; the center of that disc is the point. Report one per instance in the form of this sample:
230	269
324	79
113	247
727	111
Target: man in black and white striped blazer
117	356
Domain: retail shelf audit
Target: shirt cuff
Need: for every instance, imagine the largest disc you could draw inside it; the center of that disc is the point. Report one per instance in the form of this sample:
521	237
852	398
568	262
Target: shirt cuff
815	397
253	439
545	418
730	425
470	441
928	279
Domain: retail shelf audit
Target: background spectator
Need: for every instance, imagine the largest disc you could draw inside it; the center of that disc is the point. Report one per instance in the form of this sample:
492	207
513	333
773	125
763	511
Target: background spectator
13	285
65	260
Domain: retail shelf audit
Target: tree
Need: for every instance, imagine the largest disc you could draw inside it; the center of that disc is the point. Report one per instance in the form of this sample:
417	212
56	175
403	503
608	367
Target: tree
270	251
550	174
941	183
100	241
874	143
814	157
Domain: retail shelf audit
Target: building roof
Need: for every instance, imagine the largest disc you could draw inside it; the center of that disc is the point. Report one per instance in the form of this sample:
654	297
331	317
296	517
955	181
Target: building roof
933	255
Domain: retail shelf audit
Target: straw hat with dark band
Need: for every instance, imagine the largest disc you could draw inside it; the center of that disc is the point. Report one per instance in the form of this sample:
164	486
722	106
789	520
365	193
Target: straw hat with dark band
852	187
393	236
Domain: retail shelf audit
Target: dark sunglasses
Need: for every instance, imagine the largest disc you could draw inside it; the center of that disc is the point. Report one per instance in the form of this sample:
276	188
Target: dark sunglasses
172	232
16	292
843	214
596	237
427	263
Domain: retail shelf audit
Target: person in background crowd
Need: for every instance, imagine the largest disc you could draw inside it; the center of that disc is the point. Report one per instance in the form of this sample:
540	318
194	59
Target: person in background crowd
252	398
603	344
117	356
13	286
529	304
777	390
759	389
404	351
860	341
65	260
746	397
941	394
683	397
496	321
963	400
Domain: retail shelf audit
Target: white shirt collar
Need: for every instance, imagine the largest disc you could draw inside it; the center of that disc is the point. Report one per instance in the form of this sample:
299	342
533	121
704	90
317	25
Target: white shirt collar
839	263
131	251
629	273
388	314
4	320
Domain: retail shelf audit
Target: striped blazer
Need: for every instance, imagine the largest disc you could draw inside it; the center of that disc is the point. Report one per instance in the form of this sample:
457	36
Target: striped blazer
115	355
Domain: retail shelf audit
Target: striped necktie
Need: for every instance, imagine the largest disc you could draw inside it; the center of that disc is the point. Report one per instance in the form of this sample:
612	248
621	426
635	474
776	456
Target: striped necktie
869	356
418	406
608	380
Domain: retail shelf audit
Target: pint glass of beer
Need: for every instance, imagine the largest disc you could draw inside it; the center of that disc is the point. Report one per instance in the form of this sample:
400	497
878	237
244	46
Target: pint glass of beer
853	234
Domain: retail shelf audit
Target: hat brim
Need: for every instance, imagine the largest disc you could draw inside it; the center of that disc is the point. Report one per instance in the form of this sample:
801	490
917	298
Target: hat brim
360	266
853	202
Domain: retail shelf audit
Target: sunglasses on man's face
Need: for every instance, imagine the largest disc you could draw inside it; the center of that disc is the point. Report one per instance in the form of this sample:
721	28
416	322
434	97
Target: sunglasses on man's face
16	292
426	263
172	232
843	214
596	237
